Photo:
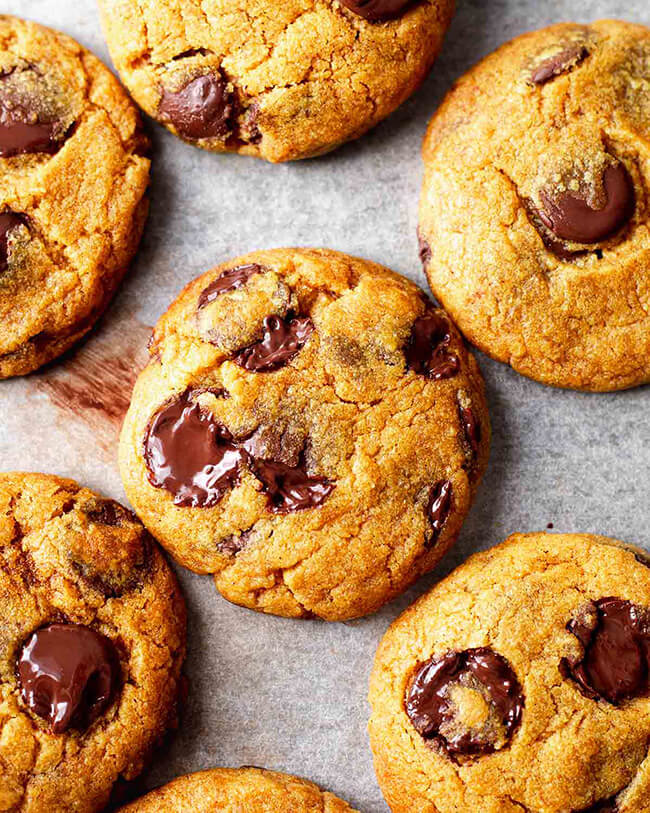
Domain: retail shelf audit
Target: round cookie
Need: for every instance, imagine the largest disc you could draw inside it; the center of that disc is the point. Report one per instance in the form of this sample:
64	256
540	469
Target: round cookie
91	645
309	429
534	212
520	682
73	178
230	790
277	80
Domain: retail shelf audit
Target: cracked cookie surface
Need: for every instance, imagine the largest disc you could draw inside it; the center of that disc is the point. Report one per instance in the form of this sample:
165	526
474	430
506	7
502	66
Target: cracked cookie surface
277	80
309	429
91	648
520	683
534	211
73	180
229	790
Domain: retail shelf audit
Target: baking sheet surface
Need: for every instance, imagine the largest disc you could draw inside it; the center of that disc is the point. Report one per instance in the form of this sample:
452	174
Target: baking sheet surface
291	695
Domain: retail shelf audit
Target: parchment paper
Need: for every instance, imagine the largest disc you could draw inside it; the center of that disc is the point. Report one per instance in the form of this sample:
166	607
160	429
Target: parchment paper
291	695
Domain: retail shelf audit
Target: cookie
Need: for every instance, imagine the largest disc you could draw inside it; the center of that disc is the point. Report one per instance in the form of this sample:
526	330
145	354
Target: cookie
277	80
309	429
230	790
534	212
91	645
73	181
520	682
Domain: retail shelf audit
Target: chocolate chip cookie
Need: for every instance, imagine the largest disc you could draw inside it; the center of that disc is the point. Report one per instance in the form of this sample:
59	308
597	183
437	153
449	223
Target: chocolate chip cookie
73	178
229	790
534	212
91	645
278	80
310	429
520	682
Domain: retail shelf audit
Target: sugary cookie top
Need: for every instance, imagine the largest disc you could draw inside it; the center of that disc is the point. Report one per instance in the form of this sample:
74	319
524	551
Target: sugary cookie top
280	80
535	205
73	176
310	429
520	682
92	642
225	790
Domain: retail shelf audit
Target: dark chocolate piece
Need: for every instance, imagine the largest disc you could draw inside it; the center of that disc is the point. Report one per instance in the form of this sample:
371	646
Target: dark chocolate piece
228	281
571	218
562	62
427	352
431	709
377	10
614	667
8	222
23	129
291	489
471	428
283	339
190	455
68	675
439	507
200	109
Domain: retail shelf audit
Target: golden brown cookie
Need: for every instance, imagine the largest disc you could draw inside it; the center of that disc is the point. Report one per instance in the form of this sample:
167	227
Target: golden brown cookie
520	682
91	645
278	80
230	790
73	178
309	429
534	212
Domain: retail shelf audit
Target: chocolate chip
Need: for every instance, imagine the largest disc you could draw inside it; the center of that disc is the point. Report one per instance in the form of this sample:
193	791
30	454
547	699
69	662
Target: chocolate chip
283	339
68	675
200	109
427	352
471	428
606	806
234	544
108	512
291	489
615	635
228	281
571	218
197	460
439	507
190	455
23	127
8	222
562	62
377	10
467	702
425	249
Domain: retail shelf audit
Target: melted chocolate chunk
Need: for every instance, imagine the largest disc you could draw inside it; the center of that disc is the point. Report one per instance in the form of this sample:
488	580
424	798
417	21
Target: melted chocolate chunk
108	512
377	10
23	128
427	352
190	455
615	635
8	222
232	545
197	460
425	250
439	507
291	489
559	63
283	339
477	678
200	109
68	675
606	806
471	428
571	218
228	281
